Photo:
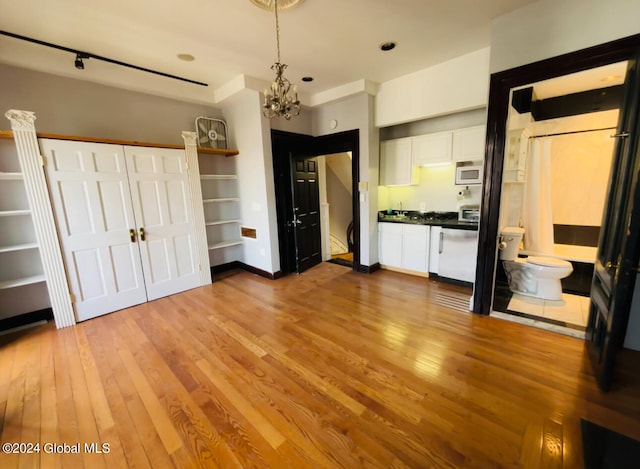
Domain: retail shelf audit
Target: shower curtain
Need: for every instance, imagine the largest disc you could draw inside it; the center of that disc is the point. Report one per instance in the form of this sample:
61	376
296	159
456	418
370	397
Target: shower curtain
537	219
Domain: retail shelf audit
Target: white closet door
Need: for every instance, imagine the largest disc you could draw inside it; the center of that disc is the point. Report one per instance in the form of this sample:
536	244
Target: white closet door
161	202
90	193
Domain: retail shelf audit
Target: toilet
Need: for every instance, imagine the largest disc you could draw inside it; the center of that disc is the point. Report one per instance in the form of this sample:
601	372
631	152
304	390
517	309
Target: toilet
538	277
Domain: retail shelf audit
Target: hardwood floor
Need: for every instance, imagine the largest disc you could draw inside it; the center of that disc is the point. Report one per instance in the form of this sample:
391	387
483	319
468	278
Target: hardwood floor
324	369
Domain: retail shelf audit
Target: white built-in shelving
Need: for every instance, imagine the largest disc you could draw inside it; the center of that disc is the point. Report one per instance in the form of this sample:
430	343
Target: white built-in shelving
219	183
22	281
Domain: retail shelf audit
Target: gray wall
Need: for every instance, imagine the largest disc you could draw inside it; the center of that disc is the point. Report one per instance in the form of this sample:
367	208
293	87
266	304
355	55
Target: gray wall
74	107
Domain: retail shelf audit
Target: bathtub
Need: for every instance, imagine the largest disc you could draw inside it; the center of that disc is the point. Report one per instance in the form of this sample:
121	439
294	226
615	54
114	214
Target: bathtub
568	252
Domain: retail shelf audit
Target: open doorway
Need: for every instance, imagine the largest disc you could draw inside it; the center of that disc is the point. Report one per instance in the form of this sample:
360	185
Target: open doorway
615	269
336	213
288	147
558	157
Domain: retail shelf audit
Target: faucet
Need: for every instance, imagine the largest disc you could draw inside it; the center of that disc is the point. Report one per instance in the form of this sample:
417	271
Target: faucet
401	212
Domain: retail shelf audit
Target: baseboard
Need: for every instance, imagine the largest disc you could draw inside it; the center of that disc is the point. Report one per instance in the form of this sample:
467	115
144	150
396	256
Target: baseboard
368	269
452	281
27	318
217	269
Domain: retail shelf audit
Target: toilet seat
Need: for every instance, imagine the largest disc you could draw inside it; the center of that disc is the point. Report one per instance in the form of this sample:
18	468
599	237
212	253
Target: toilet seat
548	261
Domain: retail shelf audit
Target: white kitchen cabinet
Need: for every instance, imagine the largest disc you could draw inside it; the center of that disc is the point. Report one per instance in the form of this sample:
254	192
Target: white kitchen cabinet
390	244
432	148
396	167
469	144
415	247
404	246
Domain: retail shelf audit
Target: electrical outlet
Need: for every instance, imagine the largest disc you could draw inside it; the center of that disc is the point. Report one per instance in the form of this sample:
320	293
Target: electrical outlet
423	206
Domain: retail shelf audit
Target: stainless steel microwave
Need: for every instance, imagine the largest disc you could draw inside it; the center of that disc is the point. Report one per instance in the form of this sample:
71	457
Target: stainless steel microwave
467	175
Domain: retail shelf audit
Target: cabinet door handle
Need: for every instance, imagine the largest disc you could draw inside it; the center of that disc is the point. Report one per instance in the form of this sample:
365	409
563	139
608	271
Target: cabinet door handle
141	232
132	235
440	246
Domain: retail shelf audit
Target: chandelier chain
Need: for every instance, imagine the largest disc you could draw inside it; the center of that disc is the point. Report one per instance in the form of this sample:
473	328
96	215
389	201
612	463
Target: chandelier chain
277	30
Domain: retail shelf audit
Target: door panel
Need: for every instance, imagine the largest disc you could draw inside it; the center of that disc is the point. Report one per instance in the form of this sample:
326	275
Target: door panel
92	203
159	190
306	212
618	250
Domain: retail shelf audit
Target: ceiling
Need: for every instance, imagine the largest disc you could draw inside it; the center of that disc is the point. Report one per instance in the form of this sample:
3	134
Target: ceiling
335	41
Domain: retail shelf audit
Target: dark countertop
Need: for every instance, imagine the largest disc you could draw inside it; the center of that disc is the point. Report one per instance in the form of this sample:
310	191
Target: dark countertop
419	218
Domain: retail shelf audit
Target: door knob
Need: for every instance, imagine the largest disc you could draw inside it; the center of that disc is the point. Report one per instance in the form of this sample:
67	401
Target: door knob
611	265
141	232
132	235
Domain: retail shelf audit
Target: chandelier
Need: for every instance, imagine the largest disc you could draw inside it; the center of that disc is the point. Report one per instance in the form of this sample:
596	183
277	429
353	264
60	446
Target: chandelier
282	98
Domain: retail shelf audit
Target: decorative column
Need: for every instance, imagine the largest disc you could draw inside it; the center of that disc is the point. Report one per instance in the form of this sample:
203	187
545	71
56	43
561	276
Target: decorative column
31	163
191	151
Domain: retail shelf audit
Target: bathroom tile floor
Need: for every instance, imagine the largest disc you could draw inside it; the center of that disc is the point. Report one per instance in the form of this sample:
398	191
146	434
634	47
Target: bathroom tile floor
572	310
568	317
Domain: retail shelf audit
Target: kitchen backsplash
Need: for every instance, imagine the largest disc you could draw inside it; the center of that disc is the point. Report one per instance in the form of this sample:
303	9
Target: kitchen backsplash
436	190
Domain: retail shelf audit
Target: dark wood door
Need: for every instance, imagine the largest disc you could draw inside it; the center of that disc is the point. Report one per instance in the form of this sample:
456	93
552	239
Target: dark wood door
617	261
305	216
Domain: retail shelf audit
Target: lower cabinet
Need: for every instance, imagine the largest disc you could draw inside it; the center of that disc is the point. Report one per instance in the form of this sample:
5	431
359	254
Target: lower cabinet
404	246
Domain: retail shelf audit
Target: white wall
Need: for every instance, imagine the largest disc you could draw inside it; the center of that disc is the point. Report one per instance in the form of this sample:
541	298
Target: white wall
357	112
457	85
250	133
549	28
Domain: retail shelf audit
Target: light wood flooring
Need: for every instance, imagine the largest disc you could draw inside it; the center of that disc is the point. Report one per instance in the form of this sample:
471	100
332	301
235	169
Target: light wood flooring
325	369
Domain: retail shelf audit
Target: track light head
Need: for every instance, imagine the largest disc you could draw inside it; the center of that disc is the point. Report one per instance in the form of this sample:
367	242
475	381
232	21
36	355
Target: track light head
78	62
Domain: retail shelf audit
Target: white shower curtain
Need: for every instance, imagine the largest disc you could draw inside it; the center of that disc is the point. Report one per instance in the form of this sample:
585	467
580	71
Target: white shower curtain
537	219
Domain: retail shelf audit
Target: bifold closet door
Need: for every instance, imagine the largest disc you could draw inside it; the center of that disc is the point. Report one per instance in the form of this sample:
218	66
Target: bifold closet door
92	203
166	232
125	223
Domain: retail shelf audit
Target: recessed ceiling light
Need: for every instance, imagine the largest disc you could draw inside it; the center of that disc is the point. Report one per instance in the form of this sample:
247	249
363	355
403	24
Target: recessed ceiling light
186	57
386	46
611	78
307	79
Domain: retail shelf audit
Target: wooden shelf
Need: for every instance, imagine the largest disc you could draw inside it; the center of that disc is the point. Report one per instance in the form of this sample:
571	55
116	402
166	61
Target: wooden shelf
218	151
206	177
19	247
11	176
225	244
226	199
14	213
22	281
213	151
221	222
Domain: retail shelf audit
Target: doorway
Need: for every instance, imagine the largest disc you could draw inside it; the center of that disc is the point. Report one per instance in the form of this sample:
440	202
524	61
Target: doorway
288	147
500	88
555	177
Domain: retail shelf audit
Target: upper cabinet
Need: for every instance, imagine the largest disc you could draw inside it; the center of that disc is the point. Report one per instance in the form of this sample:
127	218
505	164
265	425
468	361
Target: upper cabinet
432	148
396	167
468	144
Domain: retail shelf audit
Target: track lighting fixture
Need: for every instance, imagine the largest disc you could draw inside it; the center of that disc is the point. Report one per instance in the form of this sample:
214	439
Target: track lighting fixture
78	62
80	56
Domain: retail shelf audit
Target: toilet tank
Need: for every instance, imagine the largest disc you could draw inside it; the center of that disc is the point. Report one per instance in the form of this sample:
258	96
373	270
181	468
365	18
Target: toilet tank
510	238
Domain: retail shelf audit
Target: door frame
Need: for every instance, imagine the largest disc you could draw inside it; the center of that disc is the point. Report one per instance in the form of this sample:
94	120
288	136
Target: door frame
282	144
500	86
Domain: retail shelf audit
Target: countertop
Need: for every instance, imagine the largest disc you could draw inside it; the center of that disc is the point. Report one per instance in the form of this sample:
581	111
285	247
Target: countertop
412	217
